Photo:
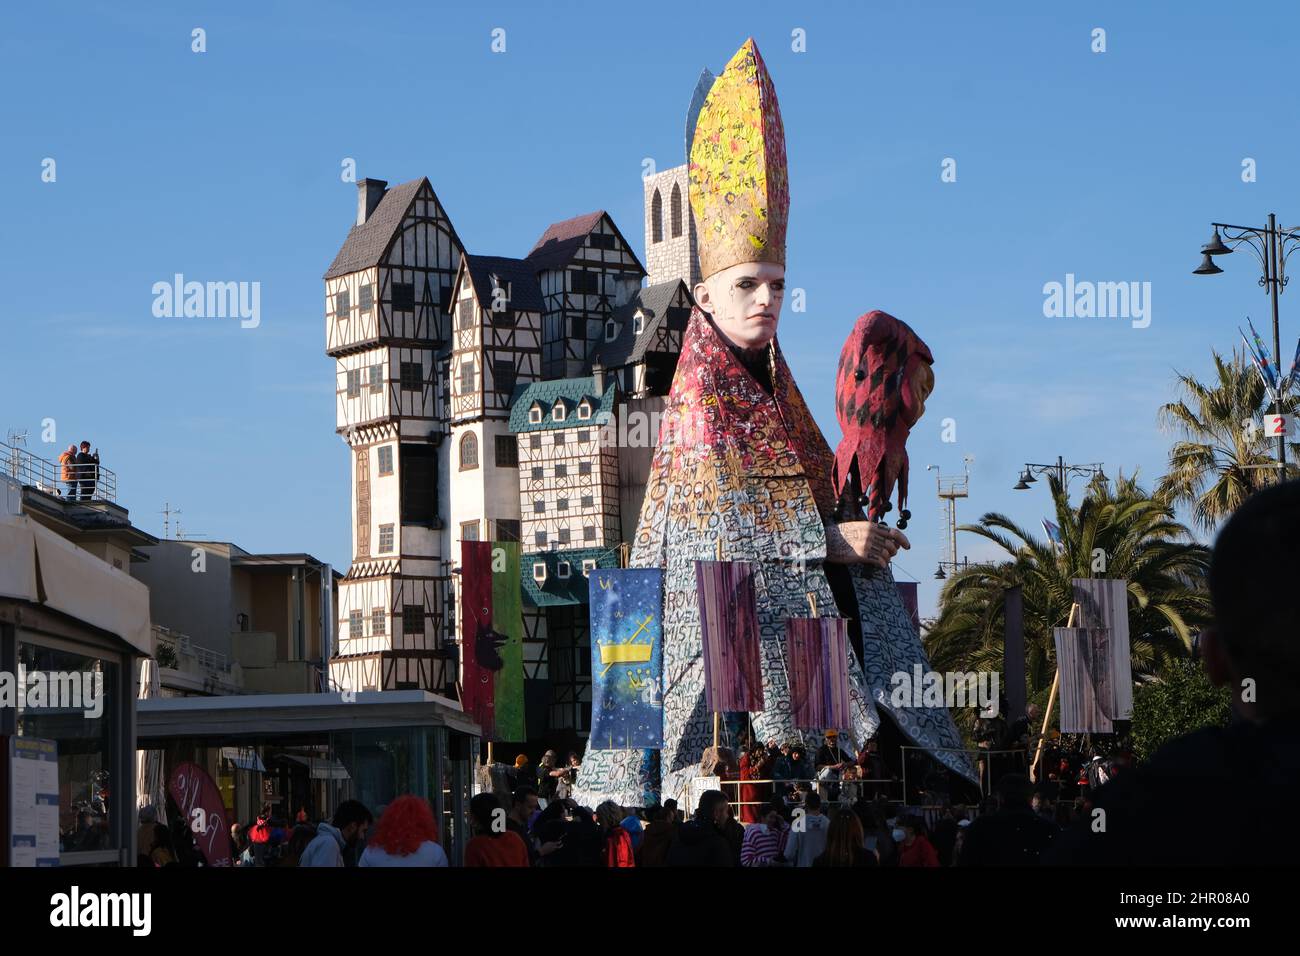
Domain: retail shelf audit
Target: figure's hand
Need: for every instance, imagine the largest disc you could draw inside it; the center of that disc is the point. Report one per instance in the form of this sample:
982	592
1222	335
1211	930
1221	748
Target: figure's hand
868	542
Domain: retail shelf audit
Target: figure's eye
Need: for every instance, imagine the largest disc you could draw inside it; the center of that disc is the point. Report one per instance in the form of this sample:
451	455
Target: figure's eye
745	284
859	375
778	287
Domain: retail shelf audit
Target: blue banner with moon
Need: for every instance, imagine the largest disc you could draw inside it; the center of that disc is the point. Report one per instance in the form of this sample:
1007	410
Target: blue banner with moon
627	710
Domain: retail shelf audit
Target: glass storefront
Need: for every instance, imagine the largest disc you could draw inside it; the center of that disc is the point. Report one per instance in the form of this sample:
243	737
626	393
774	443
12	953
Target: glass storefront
73	698
316	771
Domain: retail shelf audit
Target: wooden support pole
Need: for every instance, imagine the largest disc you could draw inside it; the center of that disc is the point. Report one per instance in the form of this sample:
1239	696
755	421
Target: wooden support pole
1051	700
717	716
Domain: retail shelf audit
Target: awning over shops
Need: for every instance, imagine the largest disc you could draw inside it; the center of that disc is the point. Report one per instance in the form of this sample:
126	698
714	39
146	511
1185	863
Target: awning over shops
319	767
39	566
228	719
244	758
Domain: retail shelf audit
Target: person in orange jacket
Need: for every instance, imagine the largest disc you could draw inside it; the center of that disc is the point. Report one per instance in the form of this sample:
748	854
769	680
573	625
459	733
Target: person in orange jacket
68	470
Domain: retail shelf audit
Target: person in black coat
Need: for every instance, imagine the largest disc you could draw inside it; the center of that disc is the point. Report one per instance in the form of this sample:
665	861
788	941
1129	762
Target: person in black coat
1013	836
87	470
703	841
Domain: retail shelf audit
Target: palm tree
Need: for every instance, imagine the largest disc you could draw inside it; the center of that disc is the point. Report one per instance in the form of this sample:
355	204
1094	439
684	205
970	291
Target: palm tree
1118	531
1224	456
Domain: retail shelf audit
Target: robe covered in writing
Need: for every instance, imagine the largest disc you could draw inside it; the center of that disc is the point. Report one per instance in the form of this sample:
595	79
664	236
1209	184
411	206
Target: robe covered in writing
751	470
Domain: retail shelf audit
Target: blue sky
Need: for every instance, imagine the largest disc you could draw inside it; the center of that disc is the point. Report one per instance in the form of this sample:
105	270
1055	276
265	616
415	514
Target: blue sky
226	166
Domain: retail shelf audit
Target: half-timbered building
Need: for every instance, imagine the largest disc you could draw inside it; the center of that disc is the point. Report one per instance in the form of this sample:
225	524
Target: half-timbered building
586	270
481	397
387	297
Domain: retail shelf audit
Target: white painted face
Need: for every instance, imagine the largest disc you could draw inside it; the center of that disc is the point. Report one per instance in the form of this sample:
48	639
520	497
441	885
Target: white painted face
745	302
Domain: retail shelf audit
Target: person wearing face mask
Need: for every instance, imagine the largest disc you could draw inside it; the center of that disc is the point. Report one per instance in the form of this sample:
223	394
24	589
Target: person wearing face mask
915	848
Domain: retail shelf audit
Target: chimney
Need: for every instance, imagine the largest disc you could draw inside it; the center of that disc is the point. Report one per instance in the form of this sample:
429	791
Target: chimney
369	192
598	378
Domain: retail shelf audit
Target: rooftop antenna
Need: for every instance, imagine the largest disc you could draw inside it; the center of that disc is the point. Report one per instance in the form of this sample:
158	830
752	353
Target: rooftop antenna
188	535
167	512
17	441
950	488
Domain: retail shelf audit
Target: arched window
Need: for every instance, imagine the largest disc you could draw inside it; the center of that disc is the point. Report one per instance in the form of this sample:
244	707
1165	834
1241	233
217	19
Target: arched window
657	218
469	451
677	211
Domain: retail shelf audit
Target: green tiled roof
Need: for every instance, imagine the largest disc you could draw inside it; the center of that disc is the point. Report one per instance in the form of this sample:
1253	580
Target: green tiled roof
556	591
572	391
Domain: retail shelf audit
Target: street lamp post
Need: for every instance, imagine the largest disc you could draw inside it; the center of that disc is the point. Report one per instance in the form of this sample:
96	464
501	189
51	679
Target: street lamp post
1061	471
1272	247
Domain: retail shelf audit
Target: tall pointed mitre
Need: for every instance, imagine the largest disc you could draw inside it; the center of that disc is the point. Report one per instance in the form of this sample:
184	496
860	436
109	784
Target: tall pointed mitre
739	187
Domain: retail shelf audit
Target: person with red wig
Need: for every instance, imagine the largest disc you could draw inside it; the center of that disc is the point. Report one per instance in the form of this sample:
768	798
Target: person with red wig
407	835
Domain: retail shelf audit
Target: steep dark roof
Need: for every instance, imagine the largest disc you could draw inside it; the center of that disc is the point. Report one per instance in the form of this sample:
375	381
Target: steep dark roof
366	244
561	240
519	274
628	347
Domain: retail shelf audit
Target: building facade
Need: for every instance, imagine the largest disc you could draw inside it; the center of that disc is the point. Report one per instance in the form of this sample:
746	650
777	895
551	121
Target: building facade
541	380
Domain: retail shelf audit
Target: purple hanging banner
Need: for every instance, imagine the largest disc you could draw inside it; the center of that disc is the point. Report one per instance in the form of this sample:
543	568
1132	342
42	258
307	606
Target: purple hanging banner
733	675
817	658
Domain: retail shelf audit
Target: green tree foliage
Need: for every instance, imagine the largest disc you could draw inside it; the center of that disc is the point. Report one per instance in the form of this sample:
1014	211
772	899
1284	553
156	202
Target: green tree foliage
1218	463
1117	531
1180	701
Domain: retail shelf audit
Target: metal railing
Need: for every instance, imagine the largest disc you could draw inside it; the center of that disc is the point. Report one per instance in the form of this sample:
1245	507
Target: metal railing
979	757
183	646
822	786
85	482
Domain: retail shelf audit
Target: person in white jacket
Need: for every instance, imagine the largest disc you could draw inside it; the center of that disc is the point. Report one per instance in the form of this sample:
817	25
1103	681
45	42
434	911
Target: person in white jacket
350	823
807	833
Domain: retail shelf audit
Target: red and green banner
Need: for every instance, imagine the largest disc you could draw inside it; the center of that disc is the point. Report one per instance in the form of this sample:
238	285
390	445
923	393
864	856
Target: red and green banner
508	619
491	635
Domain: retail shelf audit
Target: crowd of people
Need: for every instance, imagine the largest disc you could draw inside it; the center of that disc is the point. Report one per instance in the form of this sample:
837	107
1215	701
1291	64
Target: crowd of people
1088	807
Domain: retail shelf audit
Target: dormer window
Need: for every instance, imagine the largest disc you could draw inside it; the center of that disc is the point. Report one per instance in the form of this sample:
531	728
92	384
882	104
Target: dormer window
611	330
562	570
638	323
584	409
535	415
559	412
588	565
539	572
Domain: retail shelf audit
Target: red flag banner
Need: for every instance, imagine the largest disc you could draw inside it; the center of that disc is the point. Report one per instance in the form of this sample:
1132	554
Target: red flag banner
817	660
733	674
480	645
204	812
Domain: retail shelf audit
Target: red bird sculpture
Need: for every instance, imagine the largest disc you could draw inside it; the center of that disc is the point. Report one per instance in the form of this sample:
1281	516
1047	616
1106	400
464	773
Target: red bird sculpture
883	380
